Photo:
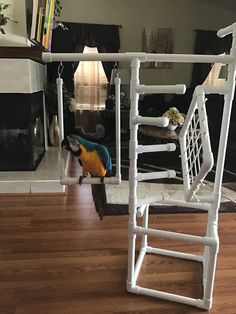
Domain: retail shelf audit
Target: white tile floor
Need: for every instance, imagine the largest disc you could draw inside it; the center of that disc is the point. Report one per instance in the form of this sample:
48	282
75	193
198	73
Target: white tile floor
45	179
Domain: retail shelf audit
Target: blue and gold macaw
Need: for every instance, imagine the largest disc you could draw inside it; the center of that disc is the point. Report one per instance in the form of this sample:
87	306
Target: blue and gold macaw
96	161
93	157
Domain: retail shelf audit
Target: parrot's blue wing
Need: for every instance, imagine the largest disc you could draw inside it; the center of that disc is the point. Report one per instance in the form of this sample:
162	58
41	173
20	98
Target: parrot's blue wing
105	156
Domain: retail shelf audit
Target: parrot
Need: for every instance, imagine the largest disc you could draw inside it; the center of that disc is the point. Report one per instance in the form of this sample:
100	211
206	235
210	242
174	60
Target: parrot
95	160
93	157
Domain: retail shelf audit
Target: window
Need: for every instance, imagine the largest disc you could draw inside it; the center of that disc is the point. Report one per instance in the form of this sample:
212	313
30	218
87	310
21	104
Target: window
213	78
90	84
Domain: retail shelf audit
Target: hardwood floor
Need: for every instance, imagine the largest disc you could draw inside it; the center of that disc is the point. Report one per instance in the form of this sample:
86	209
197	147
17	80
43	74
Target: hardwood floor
56	256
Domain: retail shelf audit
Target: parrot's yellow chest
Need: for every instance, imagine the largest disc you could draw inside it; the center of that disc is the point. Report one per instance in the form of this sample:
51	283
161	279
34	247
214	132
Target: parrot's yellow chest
91	162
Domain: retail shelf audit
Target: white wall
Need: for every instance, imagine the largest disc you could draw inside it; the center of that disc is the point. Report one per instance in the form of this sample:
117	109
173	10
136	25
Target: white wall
15	32
184	16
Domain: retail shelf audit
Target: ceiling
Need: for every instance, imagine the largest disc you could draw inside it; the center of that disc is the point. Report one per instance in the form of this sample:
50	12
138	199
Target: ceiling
226	4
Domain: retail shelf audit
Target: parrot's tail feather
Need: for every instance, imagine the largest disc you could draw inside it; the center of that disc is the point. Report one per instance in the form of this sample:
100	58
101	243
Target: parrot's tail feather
99	198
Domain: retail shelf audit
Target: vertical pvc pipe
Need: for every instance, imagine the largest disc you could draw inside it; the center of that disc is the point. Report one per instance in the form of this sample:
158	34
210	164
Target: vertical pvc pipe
133	144
210	253
210	275
144	242
228	99
60	108
117	102
61	122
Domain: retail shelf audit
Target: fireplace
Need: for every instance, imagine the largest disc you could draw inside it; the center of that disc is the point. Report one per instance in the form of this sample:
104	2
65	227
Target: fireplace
21	131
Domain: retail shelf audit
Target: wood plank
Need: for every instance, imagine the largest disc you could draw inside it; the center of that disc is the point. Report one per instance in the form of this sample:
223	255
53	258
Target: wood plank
33	53
56	256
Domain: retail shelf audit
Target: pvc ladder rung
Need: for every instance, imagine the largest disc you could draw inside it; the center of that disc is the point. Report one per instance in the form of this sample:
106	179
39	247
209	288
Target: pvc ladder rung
176	254
155	175
175	236
158	121
169	147
156	89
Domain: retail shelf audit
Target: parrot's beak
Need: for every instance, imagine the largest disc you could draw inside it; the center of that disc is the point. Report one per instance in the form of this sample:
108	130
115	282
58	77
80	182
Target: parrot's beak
65	144
73	143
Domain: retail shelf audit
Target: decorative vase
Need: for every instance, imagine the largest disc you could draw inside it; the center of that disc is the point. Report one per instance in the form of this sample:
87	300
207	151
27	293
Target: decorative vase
171	126
54	131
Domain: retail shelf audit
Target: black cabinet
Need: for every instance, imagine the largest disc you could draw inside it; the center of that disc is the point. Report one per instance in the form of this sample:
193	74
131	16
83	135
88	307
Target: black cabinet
21	131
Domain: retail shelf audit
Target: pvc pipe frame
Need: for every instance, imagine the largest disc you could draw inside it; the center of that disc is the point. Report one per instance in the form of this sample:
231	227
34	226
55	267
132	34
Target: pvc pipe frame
129	56
160	121
175	235
210	241
90	180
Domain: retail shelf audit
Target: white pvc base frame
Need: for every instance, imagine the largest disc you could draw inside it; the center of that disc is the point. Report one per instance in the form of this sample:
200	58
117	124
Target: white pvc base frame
209	243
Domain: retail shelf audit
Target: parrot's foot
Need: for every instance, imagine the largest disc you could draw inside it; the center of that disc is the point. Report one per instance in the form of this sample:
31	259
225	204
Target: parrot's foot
81	179
102	180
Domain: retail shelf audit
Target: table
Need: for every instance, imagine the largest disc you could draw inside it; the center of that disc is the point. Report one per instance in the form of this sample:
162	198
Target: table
157	133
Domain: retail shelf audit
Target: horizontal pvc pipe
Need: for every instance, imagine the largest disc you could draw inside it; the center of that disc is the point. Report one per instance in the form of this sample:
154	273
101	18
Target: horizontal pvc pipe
206	199
157	89
159	121
152	199
90	180
226	31
170	147
192	257
189	58
71	57
155	175
168	296
202	206
129	56
175	235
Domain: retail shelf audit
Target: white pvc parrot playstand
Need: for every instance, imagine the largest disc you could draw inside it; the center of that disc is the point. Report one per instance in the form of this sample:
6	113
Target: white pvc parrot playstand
196	157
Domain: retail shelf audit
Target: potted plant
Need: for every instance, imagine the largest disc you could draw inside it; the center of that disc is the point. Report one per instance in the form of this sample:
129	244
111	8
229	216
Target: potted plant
4	18
175	118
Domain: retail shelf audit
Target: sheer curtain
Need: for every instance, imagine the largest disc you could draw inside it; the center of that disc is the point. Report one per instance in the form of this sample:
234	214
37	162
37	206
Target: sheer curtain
105	37
90	84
